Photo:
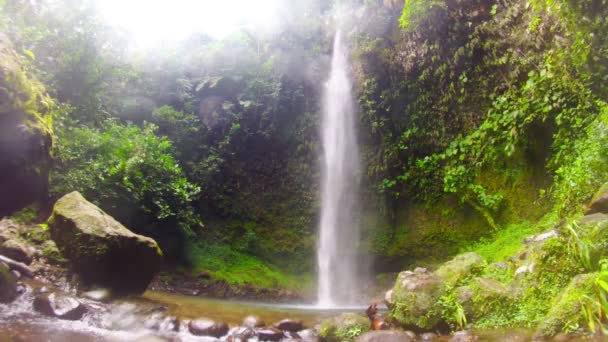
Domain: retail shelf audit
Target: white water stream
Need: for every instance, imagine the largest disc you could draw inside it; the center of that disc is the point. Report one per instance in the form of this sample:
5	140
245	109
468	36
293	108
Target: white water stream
338	230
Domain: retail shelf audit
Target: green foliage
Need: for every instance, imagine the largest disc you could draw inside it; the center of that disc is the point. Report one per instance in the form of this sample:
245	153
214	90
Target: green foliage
583	170
126	170
595	306
452	311
414	9
26	215
502	243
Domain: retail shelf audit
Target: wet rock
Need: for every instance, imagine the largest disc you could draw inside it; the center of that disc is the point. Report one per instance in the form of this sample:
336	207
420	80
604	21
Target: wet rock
270	334
542	237
340	327
385	336
388	298
19	266
206	327
411	334
151	338
464	336
253	322
289	325
162	323
415	296
460	267
100	250
98	295
428	337
243	333
8	285
17	251
599	202
59	306
308	335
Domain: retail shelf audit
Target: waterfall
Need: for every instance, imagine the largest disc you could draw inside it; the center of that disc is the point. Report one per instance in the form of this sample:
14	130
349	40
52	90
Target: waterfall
338	229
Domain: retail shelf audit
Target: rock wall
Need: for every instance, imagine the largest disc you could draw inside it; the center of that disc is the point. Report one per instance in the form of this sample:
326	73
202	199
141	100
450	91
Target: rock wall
25	133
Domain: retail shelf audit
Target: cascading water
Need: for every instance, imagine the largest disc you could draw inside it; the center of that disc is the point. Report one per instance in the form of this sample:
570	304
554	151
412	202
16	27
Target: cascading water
338	231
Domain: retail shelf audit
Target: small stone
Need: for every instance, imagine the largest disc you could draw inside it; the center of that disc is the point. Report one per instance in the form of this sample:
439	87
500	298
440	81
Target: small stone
59	306
289	325
16	274
205	327
429	336
253	322
244	333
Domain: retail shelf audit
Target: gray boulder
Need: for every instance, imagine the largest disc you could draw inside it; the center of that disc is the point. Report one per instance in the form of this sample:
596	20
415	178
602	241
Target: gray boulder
415	297
103	252
460	267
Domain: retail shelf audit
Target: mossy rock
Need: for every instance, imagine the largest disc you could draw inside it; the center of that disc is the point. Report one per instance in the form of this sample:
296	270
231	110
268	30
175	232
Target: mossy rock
599	201
8	285
100	250
26	137
415	299
483	296
462	266
566	310
345	327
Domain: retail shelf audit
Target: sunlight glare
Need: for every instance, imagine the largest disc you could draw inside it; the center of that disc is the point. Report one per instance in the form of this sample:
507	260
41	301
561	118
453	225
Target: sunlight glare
153	22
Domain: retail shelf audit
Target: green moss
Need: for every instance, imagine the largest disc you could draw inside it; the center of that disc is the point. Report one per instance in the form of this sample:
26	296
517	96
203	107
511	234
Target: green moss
238	268
26	215
503	243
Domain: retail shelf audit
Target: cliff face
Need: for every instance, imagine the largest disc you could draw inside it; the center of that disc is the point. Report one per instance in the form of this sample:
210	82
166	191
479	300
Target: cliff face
25	134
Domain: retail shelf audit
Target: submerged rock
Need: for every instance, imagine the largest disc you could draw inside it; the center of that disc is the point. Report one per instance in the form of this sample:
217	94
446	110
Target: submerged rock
59	306
464	336
289	325
270	334
415	297
343	326
206	327
385	336
8	285
428	337
460	266
100	250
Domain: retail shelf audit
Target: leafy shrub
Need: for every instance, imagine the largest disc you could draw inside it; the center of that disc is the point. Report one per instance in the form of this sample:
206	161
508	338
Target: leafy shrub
128	171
